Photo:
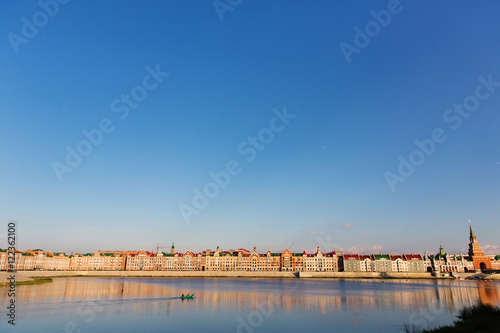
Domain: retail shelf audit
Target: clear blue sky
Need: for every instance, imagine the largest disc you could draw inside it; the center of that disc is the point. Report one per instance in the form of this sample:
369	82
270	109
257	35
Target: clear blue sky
319	181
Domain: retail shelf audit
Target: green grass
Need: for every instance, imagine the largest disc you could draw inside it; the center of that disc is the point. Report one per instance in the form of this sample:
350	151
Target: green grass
35	281
27	283
480	318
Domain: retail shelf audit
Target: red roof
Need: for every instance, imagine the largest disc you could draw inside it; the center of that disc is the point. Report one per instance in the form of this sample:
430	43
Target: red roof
353	256
412	256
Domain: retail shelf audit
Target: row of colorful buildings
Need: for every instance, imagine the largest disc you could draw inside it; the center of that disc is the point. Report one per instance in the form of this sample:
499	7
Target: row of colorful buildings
218	260
244	260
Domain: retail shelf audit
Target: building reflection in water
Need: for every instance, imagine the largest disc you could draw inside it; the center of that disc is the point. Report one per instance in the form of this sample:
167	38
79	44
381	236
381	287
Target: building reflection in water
157	296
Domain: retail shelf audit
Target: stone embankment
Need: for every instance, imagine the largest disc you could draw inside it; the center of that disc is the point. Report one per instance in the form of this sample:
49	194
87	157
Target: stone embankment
477	276
29	275
26	275
366	275
20	277
237	274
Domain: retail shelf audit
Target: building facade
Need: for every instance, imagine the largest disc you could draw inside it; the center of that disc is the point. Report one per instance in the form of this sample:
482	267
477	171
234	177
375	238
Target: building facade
99	261
450	263
240	260
245	260
383	263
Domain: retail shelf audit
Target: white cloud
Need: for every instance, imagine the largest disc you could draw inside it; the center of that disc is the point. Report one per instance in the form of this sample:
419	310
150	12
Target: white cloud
491	249
347	226
363	250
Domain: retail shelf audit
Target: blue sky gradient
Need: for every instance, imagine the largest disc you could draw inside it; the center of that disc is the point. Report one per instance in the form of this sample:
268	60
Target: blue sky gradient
320	181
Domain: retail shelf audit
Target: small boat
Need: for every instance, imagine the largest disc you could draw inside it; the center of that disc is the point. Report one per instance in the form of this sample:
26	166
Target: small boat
187	296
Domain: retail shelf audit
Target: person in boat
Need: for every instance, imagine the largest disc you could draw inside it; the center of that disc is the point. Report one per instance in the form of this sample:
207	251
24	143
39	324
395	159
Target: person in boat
182	296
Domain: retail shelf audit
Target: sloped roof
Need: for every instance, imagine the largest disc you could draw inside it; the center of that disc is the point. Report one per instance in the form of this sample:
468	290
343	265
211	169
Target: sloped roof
351	256
413	256
381	256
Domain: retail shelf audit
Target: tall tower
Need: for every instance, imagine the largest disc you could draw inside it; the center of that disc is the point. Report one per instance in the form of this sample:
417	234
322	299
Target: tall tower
172	251
474	246
476	254
472	237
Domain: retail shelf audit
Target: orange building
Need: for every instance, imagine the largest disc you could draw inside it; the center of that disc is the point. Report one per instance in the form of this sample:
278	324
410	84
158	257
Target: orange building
292	261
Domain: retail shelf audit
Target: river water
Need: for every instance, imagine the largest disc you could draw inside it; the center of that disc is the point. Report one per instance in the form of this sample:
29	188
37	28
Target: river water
239	305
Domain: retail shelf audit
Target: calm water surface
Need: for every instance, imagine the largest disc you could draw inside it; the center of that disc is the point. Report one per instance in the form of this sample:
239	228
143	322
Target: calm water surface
240	305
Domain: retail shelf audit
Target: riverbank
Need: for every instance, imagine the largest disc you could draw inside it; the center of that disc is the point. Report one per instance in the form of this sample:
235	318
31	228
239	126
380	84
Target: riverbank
477	318
30	275
27	275
22	279
367	275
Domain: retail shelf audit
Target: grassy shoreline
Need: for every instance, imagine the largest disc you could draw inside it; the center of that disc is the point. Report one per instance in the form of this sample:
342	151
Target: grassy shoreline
35	281
476	318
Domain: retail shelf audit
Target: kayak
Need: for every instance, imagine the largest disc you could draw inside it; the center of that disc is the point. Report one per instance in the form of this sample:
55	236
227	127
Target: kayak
187	296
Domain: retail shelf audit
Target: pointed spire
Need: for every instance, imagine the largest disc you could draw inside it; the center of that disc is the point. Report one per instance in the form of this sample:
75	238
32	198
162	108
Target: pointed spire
472	236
